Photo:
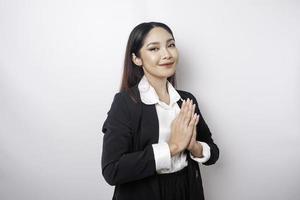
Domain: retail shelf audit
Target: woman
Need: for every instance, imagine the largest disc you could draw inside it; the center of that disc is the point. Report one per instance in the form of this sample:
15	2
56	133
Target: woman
154	135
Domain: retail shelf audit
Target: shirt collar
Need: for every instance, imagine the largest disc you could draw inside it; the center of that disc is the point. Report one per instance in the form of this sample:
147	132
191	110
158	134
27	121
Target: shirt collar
149	95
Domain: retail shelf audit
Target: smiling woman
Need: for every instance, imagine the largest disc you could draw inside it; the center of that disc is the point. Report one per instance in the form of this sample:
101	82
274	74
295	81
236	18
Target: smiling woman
154	134
158	58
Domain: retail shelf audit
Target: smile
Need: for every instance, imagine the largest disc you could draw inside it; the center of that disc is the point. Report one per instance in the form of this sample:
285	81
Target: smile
167	64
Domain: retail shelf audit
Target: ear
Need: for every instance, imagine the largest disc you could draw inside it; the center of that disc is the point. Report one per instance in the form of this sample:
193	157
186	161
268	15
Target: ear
136	60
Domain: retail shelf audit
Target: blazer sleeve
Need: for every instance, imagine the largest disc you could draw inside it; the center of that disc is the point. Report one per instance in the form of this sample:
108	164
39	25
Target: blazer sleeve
119	163
204	135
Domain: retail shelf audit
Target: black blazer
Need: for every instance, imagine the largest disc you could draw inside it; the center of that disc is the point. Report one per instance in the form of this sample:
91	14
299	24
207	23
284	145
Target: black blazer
130	129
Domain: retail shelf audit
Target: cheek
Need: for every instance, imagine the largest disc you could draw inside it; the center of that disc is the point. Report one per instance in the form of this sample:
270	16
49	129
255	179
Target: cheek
149	57
153	59
175	54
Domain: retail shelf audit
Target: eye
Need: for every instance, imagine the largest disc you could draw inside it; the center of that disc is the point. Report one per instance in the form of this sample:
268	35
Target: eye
154	49
172	45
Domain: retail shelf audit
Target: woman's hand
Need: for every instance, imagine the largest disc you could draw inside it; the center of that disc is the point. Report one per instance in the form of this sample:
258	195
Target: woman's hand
194	147
193	141
182	128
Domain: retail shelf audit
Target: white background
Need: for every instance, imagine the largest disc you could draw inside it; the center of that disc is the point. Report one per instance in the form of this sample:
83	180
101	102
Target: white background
61	64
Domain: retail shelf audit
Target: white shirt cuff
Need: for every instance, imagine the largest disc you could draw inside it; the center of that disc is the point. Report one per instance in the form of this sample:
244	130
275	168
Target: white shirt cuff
162	156
205	152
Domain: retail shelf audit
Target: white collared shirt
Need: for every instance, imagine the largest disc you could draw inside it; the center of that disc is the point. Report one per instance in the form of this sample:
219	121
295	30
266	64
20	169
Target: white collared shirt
166	114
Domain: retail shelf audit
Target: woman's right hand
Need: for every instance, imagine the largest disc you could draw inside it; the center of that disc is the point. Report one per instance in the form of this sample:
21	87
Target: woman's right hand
182	128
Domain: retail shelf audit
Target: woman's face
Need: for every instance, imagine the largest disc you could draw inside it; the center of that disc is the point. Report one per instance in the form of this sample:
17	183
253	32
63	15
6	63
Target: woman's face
158	55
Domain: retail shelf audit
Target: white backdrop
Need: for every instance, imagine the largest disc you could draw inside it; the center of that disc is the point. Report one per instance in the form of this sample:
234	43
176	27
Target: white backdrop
61	64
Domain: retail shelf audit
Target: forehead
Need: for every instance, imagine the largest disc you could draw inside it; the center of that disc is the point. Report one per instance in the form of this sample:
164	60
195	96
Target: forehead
157	34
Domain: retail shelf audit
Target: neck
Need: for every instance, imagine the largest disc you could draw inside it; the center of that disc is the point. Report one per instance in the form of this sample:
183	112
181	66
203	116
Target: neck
159	84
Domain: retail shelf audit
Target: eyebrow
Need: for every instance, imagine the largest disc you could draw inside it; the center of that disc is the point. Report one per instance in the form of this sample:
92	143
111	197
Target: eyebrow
158	42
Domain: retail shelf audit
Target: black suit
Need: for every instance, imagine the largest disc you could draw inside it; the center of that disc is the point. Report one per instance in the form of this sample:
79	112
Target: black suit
127	157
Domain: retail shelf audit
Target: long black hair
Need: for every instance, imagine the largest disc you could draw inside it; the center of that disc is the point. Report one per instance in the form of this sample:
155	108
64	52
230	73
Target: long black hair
132	73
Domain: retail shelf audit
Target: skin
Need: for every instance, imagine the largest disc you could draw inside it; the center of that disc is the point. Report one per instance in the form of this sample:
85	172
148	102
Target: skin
158	49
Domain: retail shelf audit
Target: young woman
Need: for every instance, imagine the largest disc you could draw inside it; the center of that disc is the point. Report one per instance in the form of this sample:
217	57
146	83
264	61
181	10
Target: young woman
154	135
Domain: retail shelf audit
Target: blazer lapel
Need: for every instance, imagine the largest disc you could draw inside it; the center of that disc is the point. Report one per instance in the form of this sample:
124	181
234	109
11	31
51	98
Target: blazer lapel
148	128
179	102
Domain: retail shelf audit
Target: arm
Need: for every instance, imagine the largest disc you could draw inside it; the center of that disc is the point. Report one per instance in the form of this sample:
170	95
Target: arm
119	164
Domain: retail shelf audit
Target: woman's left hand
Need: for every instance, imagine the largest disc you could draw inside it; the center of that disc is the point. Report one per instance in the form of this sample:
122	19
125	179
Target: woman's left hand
194	147
193	138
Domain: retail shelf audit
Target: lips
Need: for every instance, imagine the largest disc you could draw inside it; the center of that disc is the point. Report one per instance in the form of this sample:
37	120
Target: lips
166	64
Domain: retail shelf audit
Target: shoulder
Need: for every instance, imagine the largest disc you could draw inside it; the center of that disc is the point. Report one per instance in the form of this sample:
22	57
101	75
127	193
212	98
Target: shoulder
131	96
124	101
119	103
120	96
118	115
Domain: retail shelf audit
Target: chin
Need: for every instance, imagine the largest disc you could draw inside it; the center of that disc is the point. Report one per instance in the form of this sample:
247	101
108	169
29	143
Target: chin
167	74
162	72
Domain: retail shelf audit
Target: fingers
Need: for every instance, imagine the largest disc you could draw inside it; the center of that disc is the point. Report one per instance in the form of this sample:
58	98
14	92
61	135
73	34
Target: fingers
195	126
187	111
183	105
193	120
194	135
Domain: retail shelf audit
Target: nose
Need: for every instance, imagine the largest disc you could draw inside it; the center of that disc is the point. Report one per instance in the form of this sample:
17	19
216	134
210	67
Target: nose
166	53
